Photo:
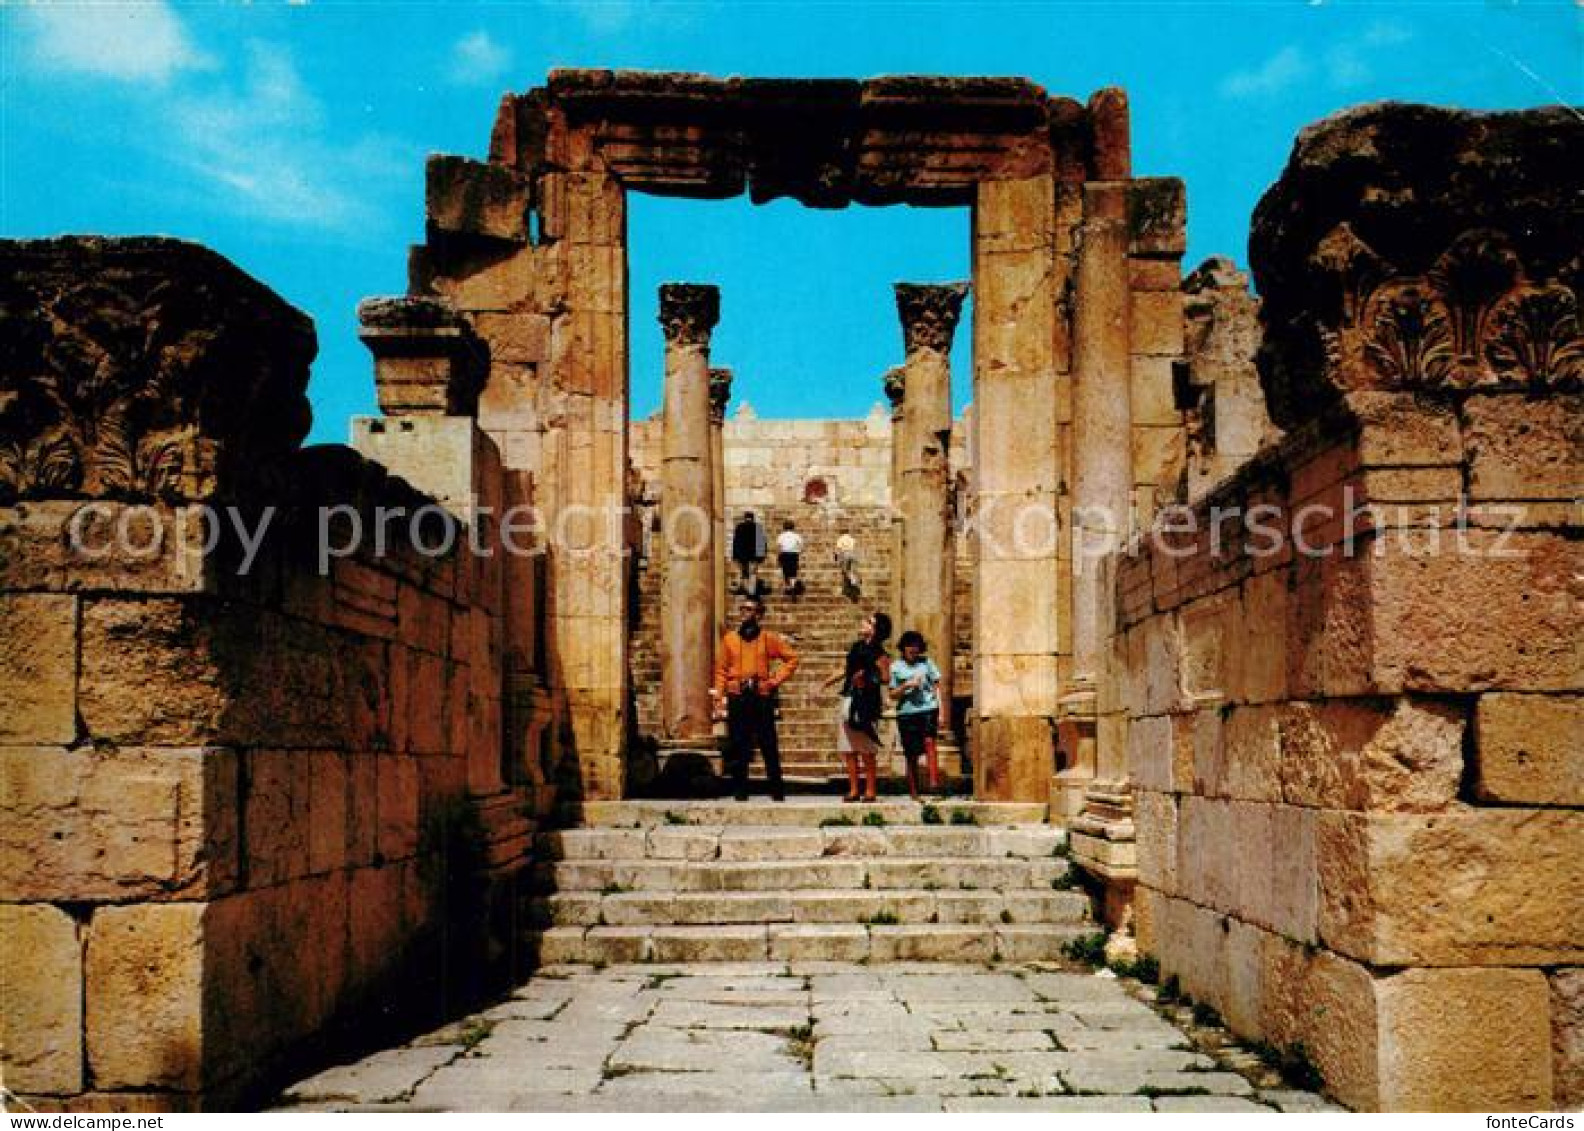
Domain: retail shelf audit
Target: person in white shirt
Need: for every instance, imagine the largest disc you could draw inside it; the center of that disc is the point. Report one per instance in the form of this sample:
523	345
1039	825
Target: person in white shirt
789	550
847	561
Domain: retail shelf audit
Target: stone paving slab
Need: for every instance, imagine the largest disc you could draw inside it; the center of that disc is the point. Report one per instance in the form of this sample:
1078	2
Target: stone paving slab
805	1036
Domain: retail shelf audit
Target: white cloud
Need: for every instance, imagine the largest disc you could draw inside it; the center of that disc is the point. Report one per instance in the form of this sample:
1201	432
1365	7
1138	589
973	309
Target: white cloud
1351	63
477	58
264	146
1386	33
143	42
1282	70
603	17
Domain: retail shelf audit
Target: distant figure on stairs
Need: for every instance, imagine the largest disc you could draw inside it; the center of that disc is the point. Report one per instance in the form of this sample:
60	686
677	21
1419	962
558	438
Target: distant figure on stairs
749	667
748	550
789	550
847	562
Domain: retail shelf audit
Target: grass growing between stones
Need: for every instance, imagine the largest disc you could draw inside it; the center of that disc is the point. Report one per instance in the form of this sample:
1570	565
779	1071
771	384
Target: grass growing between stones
474	1033
1144	968
836	823
963	817
800	1044
880	919
930	815
1086	949
874	820
675	818
1292	1063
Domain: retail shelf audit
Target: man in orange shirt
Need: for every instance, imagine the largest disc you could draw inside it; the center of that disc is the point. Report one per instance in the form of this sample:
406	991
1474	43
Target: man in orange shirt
751	664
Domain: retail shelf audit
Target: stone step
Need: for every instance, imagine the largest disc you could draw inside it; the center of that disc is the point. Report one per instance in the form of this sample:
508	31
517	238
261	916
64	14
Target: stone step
908	905
793	942
799	811
852	873
701	842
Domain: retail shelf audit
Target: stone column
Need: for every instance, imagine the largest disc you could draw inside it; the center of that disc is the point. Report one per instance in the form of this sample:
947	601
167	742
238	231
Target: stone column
1020	364
720	383
929	320
1102	481
895	391
688	313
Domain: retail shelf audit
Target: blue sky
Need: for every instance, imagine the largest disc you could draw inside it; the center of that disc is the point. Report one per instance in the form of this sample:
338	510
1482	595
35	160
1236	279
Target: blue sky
292	137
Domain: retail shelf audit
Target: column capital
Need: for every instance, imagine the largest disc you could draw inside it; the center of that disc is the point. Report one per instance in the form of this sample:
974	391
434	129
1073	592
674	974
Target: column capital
720	383
895	384
929	314
688	312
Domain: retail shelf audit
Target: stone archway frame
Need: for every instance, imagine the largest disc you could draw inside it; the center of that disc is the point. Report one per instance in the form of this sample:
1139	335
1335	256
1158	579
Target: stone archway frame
533	246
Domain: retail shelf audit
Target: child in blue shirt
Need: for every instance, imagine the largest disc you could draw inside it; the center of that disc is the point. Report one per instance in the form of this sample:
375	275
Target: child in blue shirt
915	681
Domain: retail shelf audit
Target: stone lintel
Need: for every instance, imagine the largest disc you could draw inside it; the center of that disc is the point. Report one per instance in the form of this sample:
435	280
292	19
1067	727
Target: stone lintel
826	142
929	314
688	312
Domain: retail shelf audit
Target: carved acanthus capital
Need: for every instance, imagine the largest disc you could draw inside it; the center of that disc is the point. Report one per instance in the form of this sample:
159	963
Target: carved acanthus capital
720	383
895	383
1411	249
688	312
929	314
144	369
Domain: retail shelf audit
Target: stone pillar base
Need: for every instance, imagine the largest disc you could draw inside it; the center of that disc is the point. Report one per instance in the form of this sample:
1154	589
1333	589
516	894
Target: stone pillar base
1105	845
1014	758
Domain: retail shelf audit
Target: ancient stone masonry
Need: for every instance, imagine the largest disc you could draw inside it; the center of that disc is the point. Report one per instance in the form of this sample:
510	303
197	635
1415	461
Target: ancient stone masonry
119	387
924	573
688	313
720	384
232	774
1355	741
548	297
1217	383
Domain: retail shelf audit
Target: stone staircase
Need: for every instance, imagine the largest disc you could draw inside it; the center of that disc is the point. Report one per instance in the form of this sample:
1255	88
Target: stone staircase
691	881
821	623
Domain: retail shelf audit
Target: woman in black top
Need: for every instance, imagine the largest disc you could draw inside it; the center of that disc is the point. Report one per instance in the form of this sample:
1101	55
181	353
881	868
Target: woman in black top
867	671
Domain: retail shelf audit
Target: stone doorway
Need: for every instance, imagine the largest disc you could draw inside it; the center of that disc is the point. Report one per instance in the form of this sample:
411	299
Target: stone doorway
1075	270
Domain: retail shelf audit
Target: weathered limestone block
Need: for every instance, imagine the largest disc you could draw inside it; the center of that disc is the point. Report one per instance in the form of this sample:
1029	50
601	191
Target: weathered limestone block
1499	613
1464	886
1404	754
1529	749
1157	217
41	998
38	668
150	675
144	368
1256	649
475	198
1155	816
1327	1005
1462	1040
102	823
1415	247
1567	1037
1520	449
145	995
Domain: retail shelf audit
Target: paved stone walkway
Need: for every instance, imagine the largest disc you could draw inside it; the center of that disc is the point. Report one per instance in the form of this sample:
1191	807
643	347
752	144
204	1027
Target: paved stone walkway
804	1037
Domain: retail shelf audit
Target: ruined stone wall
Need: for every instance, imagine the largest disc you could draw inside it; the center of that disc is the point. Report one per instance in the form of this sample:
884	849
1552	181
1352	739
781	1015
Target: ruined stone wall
771	463
1217	384
241	811
1355	744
